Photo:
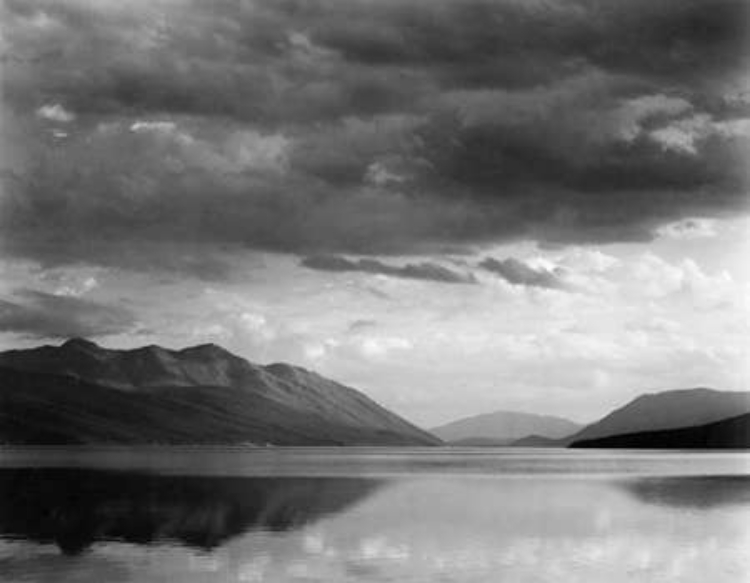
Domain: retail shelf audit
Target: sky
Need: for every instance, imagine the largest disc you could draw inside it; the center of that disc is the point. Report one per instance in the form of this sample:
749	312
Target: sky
455	206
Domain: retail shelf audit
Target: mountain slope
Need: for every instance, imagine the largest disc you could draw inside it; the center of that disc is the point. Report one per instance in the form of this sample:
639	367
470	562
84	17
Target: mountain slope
733	433
82	393
503	427
668	410
654	412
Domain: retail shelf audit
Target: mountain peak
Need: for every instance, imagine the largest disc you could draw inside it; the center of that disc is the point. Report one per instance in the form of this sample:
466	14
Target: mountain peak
78	342
505	426
207	350
679	392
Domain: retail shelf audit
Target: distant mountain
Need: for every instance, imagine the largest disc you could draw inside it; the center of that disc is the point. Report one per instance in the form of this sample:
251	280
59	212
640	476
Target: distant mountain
733	433
668	410
82	393
656	411
503	427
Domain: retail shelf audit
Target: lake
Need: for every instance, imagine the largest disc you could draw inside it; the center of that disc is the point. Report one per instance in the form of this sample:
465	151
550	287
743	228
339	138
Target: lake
332	515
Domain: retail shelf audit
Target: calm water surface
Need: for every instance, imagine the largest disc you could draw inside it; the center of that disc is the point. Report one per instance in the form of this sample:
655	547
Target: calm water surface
370	514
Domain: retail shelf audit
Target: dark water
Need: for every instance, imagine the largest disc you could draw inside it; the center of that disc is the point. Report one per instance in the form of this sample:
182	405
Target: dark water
463	515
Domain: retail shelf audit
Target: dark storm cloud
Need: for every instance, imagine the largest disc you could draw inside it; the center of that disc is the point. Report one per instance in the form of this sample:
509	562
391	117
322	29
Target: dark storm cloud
517	272
241	60
426	271
225	57
43	315
389	127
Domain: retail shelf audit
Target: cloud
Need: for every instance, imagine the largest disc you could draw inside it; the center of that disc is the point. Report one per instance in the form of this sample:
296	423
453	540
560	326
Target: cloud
165	127
42	315
334	56
693	228
519	273
361	324
651	276
425	270
81	289
365	128
55	112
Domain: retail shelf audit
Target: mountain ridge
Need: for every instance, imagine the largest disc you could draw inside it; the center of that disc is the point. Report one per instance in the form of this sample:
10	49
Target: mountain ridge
731	433
503	427
656	411
670	409
204	379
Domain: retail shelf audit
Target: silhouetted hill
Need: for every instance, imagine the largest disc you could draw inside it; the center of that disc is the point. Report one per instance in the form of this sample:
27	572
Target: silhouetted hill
733	433
75	508
502	428
668	410
82	393
656	411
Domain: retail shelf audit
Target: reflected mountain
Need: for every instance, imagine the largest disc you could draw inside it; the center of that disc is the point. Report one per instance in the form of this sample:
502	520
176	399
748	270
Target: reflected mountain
75	508
698	492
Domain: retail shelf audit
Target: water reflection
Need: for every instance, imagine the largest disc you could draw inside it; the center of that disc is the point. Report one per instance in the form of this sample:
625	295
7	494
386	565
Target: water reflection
77	507
428	525
697	492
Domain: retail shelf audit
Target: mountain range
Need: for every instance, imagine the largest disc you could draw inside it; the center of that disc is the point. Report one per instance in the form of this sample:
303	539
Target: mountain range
80	392
634	423
503	428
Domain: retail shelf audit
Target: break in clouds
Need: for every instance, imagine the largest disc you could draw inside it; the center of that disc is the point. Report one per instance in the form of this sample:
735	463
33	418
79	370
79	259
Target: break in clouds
364	127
